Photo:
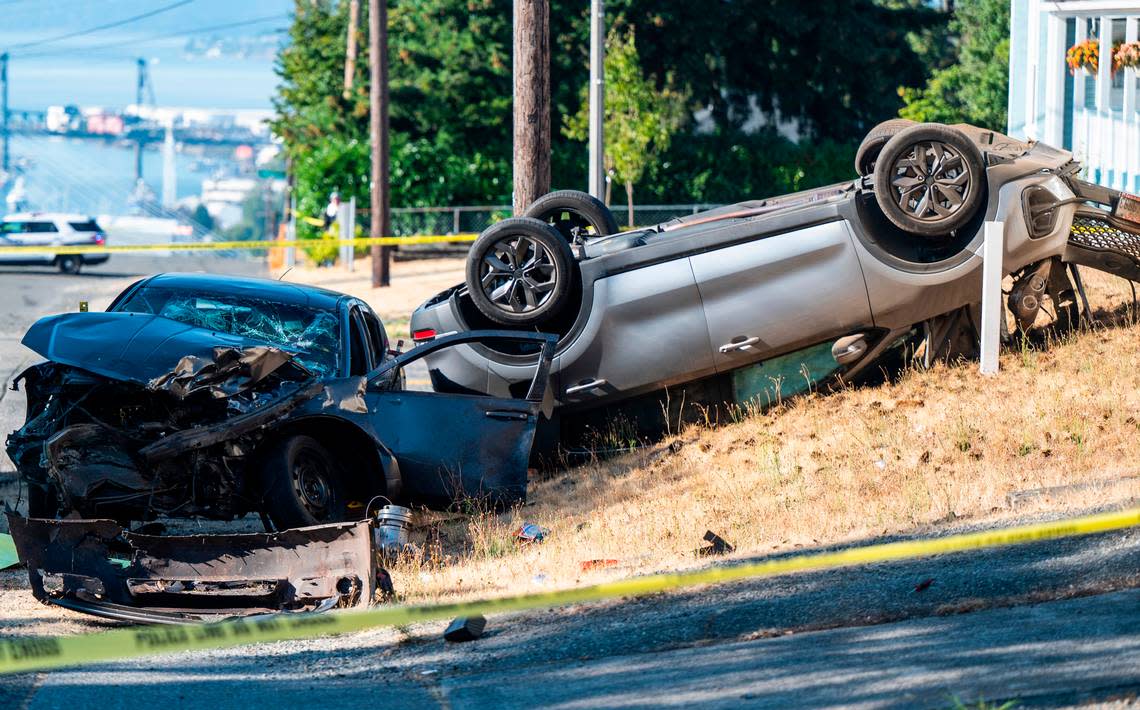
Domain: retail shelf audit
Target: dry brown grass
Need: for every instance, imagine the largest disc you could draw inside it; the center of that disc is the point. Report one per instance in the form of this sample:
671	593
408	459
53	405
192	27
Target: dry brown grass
931	446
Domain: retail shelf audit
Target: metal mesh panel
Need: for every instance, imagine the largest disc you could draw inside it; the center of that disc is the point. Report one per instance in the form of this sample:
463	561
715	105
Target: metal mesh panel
1098	234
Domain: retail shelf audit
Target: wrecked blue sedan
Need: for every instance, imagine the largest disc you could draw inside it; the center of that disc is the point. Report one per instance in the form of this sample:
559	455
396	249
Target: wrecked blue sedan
209	396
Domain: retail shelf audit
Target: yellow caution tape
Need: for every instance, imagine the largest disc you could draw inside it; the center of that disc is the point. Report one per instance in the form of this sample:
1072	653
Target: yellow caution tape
34	654
217	246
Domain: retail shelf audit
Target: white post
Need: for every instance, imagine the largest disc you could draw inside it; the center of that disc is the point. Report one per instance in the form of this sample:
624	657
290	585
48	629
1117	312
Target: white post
344	221
1033	102
348	231
993	250
291	234
1055	70
1131	160
597	180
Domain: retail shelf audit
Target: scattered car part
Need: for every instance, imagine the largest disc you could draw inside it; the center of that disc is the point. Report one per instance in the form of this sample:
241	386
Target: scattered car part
392	523
717	545
589	565
578	216
8	556
521	272
529	533
100	568
465	628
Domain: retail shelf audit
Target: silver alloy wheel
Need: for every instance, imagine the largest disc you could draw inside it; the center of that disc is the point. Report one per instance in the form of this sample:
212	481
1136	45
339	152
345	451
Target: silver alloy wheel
932	182
518	274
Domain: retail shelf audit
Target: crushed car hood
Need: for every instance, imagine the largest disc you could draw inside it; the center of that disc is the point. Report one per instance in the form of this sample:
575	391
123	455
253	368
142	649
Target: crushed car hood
156	352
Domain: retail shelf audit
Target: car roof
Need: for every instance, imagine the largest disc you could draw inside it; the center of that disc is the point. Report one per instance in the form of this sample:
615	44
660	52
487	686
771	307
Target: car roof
269	289
62	216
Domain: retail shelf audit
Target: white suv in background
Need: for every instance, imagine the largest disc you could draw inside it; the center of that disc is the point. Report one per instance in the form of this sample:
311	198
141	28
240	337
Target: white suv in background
51	229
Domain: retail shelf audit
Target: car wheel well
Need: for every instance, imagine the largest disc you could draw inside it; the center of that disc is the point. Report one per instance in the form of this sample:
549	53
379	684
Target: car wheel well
356	451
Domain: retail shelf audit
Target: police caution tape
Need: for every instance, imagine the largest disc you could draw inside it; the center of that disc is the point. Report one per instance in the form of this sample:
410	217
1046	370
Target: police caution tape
34	654
230	246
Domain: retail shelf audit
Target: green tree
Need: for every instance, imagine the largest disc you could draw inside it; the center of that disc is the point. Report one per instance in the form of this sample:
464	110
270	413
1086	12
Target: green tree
640	117
975	89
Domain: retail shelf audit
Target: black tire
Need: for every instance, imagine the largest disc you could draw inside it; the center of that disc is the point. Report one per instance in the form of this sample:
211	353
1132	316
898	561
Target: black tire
930	180
520	272
69	263
304	484
874	141
578	216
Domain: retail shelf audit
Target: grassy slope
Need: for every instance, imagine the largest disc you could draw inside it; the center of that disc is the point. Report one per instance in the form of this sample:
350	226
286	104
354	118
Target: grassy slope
933	445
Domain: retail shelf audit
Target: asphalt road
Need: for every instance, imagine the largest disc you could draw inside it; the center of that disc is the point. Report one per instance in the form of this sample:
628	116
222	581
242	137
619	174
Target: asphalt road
1051	624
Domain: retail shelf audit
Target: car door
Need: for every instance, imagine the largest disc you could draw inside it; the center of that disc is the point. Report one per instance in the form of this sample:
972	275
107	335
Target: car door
458	445
778	293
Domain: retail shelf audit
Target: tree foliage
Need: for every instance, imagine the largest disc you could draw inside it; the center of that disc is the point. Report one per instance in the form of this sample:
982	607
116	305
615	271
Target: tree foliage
833	66
974	89
640	118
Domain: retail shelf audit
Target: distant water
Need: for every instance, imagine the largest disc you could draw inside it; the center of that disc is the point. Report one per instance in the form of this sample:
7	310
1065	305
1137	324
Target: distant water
95	177
73	175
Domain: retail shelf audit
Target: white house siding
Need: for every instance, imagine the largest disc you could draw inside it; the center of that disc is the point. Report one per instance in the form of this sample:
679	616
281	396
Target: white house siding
1094	116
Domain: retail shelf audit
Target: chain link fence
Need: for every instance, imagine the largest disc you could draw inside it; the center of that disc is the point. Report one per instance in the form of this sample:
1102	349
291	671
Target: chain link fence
415	221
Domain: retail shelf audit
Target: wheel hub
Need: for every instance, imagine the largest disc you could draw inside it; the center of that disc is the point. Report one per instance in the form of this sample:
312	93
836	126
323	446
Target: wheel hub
518	274
932	182
311	484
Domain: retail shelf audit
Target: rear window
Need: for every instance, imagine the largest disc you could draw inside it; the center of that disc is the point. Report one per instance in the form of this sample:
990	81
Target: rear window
88	226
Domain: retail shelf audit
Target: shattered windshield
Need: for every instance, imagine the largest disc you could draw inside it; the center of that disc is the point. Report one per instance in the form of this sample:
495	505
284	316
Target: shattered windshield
312	333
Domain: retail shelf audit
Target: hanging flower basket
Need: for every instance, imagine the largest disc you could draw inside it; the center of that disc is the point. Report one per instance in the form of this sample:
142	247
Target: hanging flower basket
1084	55
1127	56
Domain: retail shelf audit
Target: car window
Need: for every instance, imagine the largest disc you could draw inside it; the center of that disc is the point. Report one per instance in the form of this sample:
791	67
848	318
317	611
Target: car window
312	333
377	338
88	226
358	354
42	227
13	227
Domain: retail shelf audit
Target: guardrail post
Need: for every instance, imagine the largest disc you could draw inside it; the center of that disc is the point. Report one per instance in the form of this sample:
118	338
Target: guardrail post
993	251
455	221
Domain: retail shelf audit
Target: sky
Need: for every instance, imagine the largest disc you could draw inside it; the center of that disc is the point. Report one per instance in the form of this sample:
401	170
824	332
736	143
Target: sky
99	67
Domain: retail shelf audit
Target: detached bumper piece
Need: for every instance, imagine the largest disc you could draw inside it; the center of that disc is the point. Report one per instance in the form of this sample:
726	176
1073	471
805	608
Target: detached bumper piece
99	568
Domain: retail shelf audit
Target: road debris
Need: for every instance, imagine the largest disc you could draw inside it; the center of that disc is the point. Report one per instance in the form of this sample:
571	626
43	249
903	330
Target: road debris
98	567
529	533
465	628
924	585
717	545
390	533
588	565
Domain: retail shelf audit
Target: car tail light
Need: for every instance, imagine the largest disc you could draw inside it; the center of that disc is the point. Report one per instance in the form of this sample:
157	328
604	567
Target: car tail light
421	335
99	239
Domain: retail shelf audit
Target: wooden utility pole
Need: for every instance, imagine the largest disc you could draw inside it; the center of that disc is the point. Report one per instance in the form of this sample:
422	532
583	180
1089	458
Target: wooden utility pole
380	219
532	102
350	46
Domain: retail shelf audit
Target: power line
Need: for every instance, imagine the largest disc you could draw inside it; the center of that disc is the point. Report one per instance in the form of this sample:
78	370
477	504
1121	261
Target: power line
100	28
169	35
